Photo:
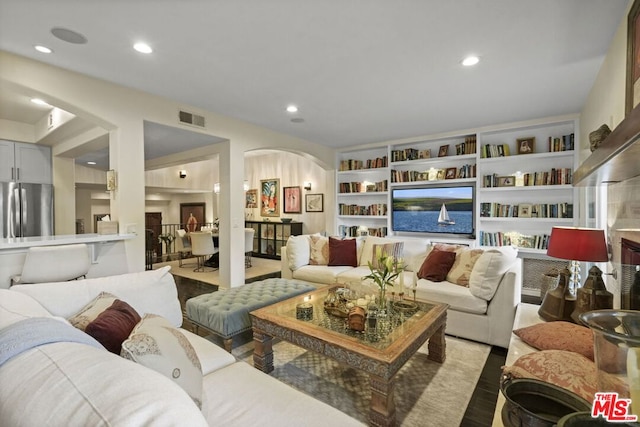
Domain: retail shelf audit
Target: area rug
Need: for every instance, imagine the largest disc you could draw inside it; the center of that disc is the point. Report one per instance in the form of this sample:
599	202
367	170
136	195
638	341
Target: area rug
260	267
426	392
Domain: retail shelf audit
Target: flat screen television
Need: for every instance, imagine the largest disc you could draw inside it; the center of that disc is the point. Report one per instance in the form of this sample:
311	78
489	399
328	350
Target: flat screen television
437	208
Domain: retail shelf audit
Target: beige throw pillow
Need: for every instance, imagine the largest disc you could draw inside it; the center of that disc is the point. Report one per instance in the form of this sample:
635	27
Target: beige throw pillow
488	271
319	246
92	310
393	250
156	344
463	265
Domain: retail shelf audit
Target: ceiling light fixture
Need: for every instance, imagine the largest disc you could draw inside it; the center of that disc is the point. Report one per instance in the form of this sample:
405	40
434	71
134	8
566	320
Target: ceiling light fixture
39	101
292	109
68	36
43	49
470	60
142	47
91	163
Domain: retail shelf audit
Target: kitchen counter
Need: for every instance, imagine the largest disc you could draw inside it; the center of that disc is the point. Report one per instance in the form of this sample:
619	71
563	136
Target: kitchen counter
108	253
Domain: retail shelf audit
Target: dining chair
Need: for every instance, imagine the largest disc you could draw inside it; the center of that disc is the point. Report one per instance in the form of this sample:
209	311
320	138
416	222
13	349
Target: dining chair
248	246
54	264
183	246
202	247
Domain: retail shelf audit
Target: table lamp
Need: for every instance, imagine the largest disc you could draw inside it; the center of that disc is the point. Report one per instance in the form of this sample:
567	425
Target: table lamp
582	244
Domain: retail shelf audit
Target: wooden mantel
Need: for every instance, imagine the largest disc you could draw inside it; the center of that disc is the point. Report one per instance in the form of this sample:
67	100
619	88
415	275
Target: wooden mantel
618	157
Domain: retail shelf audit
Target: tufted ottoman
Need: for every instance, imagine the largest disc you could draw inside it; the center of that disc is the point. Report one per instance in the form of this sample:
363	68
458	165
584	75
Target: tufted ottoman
226	313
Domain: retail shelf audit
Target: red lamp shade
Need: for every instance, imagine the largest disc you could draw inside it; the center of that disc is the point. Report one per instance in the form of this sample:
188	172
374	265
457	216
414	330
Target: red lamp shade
578	244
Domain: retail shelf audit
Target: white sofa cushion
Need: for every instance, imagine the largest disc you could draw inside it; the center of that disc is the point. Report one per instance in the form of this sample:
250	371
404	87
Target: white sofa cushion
489	269
298	251
323	274
256	391
147	292
458	297
16	306
212	357
156	344
78	385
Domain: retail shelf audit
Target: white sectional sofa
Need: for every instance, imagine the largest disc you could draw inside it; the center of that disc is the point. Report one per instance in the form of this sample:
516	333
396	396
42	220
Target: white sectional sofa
65	383
483	313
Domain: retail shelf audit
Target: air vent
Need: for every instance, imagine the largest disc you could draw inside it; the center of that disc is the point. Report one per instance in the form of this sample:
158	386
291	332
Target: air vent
191	119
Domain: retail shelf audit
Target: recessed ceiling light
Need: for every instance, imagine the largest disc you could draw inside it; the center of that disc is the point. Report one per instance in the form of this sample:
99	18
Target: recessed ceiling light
91	163
470	60
68	36
142	47
292	108
43	49
39	101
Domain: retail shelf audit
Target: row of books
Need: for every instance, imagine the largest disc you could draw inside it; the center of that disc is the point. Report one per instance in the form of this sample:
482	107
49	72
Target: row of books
361	187
354	231
559	176
353	164
466	147
563	143
526	210
376	209
494	150
465	171
539	241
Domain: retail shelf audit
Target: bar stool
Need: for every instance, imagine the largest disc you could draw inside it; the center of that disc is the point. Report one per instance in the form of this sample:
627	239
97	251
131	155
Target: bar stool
202	247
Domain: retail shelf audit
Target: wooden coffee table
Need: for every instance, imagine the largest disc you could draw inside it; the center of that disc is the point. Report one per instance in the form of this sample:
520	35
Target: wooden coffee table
379	356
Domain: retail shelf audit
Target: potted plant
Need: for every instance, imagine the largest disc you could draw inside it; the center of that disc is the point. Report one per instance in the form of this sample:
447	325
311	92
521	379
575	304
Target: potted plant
384	274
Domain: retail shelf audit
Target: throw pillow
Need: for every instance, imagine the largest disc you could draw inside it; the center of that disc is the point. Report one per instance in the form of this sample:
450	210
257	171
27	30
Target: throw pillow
298	251
488	271
565	369
156	344
393	250
463	266
319	247
343	252
449	248
437	265
558	336
90	311
113	325
367	248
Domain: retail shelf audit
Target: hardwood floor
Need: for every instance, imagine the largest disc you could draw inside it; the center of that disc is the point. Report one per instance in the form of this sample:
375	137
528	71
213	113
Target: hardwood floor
481	407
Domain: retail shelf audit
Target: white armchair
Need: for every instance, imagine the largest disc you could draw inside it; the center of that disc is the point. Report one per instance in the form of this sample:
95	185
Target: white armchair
202	247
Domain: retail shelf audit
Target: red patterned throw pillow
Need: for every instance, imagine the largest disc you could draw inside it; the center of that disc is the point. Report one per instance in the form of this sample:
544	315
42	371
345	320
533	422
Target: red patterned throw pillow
343	252
114	325
436	266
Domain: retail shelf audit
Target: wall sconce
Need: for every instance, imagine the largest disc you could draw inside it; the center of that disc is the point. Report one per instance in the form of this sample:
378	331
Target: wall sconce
307	185
246	185
111	180
183	174
216	188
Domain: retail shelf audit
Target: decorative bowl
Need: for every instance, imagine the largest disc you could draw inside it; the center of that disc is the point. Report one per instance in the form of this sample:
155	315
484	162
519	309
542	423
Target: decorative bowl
286	220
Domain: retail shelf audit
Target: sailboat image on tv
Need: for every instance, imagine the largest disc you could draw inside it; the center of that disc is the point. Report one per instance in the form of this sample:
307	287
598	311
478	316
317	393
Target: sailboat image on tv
443	218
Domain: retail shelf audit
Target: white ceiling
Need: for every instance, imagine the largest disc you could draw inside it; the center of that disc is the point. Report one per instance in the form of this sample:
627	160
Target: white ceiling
360	70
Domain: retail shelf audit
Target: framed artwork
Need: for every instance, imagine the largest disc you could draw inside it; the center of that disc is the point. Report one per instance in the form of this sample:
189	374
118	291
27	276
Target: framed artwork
440	174
425	154
632	97
251	197
451	173
526	145
192	216
292	202
270	197
524	210
444	150
314	202
506	181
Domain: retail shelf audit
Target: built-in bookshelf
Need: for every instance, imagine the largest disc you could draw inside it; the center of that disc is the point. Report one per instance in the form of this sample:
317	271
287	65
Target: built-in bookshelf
522	173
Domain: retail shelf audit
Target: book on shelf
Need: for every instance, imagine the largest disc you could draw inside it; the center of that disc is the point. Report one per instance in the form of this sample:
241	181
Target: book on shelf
559	176
529	210
361	187
494	150
563	143
466	147
353	164
465	171
354	231
538	241
376	209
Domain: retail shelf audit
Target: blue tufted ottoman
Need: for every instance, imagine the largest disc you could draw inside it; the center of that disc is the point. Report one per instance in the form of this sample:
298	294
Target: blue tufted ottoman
226	313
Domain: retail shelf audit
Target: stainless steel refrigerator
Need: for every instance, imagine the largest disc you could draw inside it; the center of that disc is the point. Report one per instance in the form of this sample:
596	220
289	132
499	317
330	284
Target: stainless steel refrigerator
26	209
